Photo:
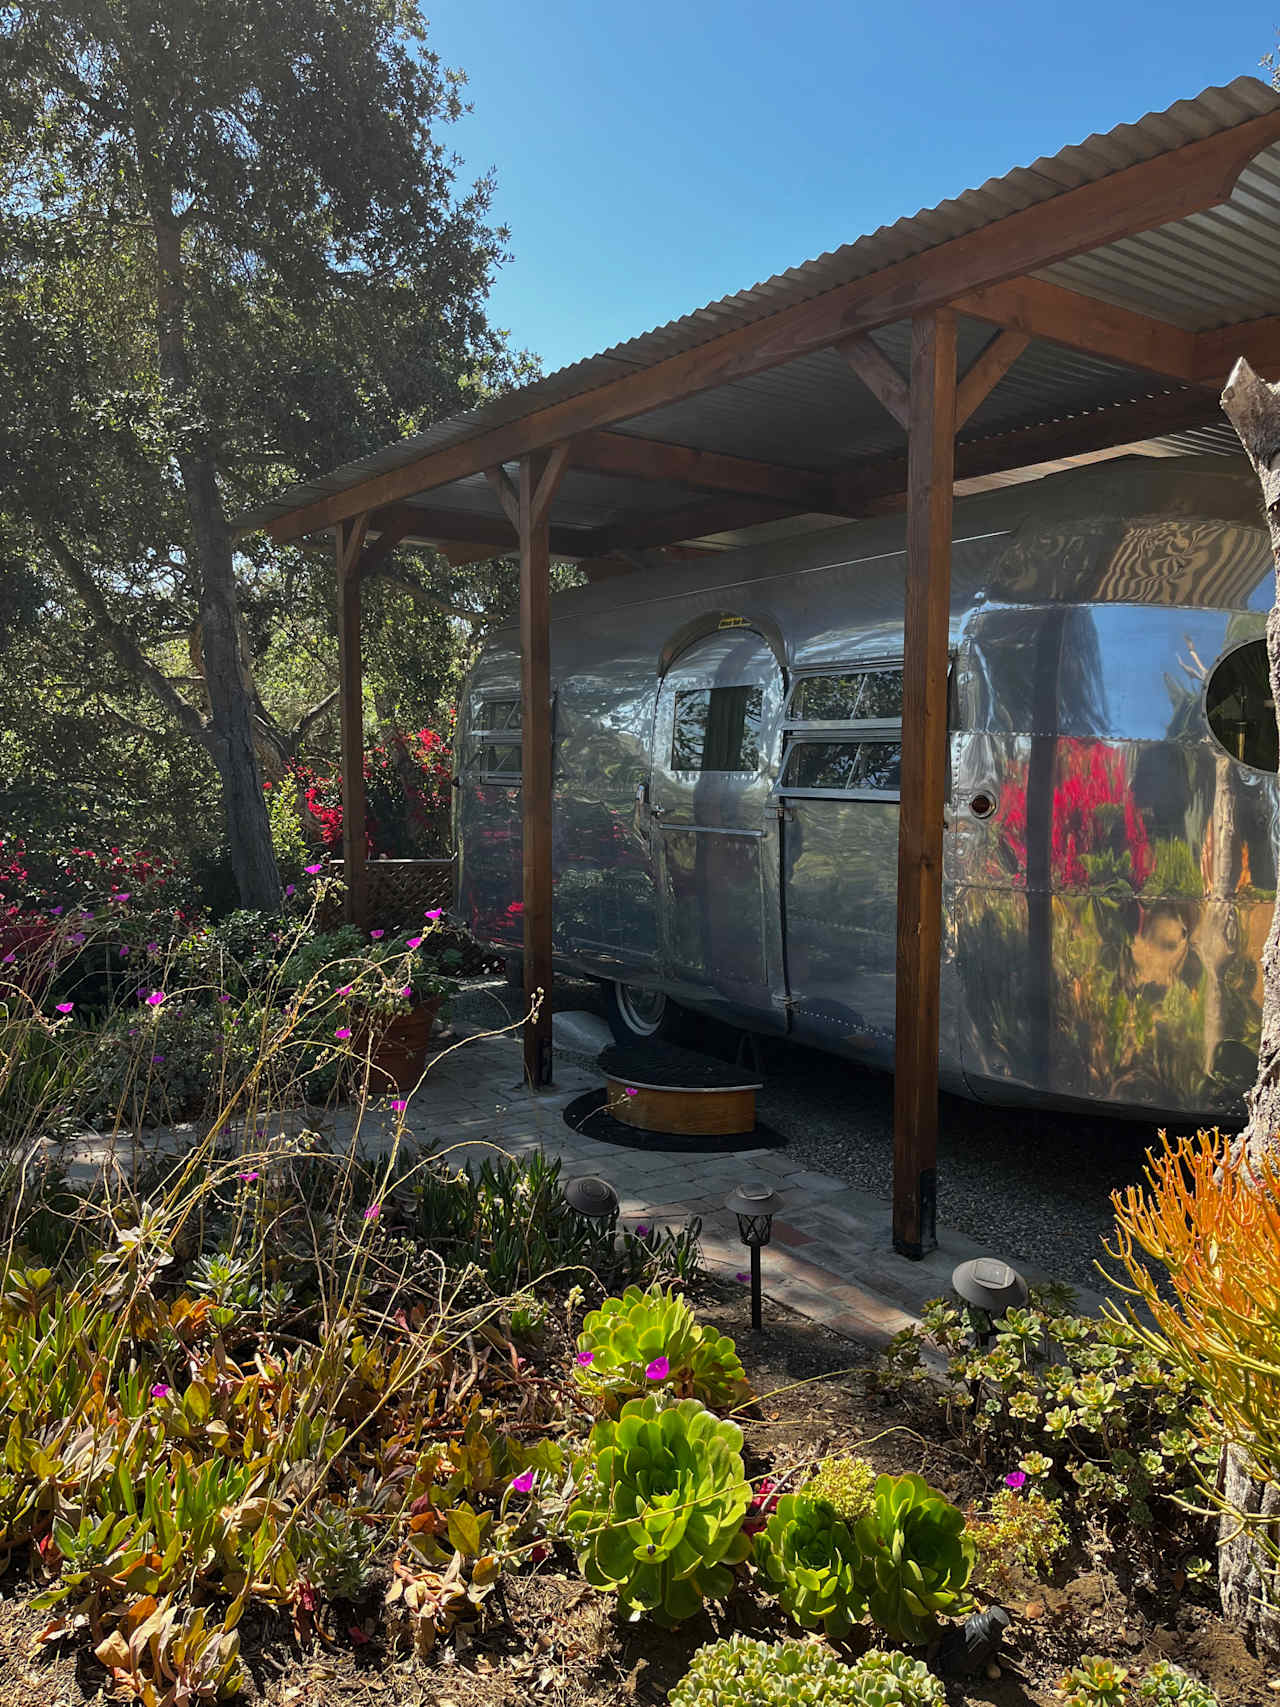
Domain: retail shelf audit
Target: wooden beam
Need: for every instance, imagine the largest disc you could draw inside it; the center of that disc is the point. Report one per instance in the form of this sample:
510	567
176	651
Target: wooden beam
1255	341
879	375
1044	310
1138	198
931	446
390	534
349	540
508	495
548	481
691	521
538	474
986	372
431	526
635	458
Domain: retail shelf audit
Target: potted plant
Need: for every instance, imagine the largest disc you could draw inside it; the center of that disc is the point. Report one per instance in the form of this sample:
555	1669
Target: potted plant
399	999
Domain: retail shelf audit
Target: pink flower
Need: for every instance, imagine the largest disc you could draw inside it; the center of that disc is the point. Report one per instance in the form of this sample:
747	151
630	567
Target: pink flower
65	1007
249	1176
124	951
632	1091
157	1059
345	990
658	1370
155	998
407	991
1015	1479
641	1230
161	1390
434	913
523	1483
314	870
223	996
343	1031
290	889
586	1359
399	1105
742	1277
122	896
76	936
414	942
9	958
373	1211
55	911
153	948
376	934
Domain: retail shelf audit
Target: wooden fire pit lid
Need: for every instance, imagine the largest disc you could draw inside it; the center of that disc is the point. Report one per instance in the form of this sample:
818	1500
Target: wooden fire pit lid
662	1067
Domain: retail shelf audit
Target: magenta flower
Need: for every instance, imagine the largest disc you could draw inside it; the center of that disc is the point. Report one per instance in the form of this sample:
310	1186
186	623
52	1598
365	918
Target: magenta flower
1015	1479
155	998
523	1483
345	990
314	870
658	1370
153	948
407	991
376	934
223	996
742	1277
343	1031
65	1007
124	951
414	942
434	913
157	1059
641	1230
55	911
586	1359
161	1390
399	1105
249	1176
289	890
9	958
632	1091
373	1211
122	896
76	936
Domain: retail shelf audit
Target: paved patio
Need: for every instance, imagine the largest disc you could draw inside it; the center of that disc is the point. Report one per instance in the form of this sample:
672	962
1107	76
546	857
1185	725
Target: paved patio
831	1257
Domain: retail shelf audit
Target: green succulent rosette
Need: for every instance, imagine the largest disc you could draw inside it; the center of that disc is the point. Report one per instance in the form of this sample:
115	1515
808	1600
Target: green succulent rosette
741	1672
915	1558
809	1557
626	1336
659	1516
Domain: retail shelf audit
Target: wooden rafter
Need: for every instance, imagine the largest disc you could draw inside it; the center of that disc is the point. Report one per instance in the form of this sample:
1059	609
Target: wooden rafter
632	457
1256	341
1138	198
1043	310
507	494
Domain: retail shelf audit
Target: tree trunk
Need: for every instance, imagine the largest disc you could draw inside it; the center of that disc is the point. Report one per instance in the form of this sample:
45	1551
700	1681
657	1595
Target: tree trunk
231	730
1247	1583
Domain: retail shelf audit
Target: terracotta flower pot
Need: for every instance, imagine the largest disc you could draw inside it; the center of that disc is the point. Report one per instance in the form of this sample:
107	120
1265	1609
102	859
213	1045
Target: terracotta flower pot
399	1054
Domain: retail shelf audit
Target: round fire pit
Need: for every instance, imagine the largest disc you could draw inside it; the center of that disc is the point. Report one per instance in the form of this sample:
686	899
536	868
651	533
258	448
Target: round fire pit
661	1089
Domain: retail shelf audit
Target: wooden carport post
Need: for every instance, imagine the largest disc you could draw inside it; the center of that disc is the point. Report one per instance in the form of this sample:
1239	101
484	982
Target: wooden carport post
529	509
930	476
355	869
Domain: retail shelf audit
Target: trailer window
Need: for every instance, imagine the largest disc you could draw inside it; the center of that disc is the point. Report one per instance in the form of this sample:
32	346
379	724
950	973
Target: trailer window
1240	708
838	767
859	696
496	714
717	729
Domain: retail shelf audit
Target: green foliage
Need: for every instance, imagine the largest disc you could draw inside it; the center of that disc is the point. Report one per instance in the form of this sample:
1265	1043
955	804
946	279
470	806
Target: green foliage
1097	1682
334	1551
810	1559
915	1558
625	1336
740	1672
1080	1401
1023	1528
845	1484
659	1517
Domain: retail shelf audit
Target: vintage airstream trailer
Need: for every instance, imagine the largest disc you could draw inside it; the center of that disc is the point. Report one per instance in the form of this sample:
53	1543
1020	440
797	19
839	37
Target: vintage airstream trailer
727	740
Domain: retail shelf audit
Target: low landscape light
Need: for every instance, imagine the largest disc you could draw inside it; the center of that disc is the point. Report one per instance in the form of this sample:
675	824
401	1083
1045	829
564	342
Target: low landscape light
755	1206
989	1286
593	1197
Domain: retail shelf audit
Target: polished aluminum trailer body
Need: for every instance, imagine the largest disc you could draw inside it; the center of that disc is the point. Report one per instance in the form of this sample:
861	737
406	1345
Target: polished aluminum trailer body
725	817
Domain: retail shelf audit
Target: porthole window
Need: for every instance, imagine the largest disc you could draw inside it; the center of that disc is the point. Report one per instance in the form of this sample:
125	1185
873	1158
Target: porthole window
1240	708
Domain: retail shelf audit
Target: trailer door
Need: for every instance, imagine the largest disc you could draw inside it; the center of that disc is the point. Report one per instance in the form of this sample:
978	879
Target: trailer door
714	831
838	789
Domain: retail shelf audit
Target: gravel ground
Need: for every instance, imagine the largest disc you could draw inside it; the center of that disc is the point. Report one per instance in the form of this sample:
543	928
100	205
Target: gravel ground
1033	1184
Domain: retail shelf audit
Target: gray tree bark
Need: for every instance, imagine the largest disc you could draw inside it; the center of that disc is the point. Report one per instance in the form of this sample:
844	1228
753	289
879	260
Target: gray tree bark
231	724
1247	1582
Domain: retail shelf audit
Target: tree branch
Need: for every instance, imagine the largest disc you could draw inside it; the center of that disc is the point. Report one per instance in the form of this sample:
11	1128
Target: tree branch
429	600
302	728
123	643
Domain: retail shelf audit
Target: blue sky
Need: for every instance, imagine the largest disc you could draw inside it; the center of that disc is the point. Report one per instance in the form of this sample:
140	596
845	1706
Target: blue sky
652	158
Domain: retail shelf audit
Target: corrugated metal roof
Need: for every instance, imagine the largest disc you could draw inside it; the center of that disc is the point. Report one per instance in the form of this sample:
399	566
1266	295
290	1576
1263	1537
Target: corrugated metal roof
1208	270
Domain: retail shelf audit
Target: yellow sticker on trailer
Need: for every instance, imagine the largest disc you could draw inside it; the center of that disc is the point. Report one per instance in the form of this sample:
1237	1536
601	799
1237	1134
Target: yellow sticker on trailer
732	622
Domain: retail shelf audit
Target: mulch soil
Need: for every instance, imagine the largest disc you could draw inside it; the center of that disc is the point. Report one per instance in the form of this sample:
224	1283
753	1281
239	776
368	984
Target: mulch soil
549	1640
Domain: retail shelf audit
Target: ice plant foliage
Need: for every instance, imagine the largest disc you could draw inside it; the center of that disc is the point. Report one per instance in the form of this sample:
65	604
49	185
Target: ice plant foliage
748	1673
647	1337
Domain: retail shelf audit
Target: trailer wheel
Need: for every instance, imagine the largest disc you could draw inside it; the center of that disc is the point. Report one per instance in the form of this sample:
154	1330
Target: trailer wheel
635	1014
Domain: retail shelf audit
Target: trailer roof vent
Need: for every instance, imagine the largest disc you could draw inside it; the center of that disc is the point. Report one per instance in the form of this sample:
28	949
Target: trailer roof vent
1240	709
